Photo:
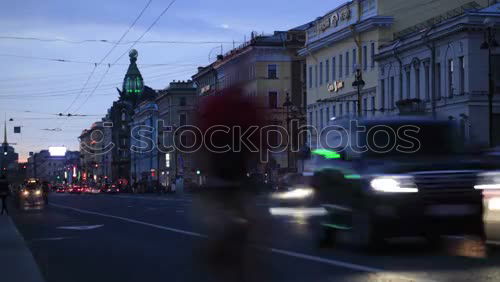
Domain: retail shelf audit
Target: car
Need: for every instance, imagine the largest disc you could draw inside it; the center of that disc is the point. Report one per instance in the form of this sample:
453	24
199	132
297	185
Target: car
421	184
60	189
30	196
96	189
111	189
75	189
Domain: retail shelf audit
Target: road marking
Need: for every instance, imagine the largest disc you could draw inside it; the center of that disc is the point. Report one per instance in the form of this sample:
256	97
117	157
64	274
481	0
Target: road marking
327	261
81	227
132	221
50	239
154	199
273	250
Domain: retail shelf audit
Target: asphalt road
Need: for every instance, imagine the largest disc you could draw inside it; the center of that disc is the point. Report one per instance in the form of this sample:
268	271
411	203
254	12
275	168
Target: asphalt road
159	238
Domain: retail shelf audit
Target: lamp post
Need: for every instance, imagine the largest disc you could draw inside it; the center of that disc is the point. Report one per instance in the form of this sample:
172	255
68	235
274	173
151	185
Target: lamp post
287	105
489	44
359	84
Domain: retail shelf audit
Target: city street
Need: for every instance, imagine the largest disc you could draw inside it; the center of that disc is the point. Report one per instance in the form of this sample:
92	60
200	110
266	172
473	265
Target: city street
157	238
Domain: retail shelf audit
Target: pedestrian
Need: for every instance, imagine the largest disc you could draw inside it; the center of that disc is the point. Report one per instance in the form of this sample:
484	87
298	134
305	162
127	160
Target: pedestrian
4	193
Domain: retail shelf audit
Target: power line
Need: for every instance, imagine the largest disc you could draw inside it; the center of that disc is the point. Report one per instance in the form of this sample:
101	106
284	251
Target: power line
108	41
109	53
130	48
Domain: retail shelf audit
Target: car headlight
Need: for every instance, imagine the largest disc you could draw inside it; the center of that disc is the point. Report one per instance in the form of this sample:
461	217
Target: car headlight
394	184
488	180
298	193
26	193
38	192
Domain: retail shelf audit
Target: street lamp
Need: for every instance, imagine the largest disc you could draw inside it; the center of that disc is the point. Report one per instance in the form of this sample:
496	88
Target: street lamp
359	84
287	105
489	44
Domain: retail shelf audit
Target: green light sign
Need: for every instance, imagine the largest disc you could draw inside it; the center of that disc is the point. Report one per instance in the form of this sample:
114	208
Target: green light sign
352	176
327	154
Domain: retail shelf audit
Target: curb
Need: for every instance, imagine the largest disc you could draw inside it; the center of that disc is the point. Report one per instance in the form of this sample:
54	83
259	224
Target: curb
16	260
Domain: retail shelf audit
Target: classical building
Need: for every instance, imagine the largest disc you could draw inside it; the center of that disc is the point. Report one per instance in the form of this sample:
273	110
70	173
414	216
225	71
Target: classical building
439	66
55	169
267	68
341	48
144	162
176	108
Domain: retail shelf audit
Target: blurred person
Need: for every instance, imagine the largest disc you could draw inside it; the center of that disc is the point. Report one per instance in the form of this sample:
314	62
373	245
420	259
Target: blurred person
4	193
224	201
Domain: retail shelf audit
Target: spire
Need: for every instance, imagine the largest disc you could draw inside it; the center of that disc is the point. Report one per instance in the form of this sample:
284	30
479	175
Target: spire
5	132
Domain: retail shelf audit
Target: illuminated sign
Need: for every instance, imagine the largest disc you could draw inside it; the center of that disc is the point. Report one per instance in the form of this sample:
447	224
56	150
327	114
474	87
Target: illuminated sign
57	151
336	86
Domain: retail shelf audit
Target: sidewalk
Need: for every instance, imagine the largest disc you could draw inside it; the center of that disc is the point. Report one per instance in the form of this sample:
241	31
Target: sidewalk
16	261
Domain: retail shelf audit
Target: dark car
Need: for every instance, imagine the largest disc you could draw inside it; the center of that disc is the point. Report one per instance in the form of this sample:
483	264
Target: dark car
111	189
420	184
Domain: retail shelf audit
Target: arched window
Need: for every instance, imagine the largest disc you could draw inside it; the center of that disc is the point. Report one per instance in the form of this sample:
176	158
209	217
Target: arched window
124	116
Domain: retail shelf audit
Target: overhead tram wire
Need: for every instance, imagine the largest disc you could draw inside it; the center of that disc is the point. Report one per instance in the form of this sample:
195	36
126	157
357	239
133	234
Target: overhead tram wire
130	48
108	41
109	53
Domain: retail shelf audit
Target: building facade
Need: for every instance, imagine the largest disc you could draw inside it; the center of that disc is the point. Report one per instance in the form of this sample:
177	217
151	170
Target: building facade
267	69
342	46
442	67
144	162
177	106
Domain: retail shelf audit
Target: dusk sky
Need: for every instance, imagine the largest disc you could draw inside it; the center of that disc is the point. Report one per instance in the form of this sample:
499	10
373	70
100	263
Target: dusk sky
34	90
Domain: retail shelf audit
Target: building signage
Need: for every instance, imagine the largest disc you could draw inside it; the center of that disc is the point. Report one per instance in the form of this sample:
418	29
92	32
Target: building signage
336	86
333	20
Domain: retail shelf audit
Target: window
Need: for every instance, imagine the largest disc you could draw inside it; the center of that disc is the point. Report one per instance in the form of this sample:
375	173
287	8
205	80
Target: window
347	109
408	82
321	73
365	105
438	81
321	119
182	119
310	118
427	82
392	97
373	103
327	115
124	116
272	71
365	58
310	77
341	70
382	93
354	109
333	111
450	77
417	82
182	101
372	51
316	119
354	60
316	76
341	110
334	69
273	100
461	65
327	70
347	63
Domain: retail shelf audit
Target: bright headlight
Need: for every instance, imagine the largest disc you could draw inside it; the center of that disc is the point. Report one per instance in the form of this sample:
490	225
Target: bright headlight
26	193
38	192
298	193
488	180
394	184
